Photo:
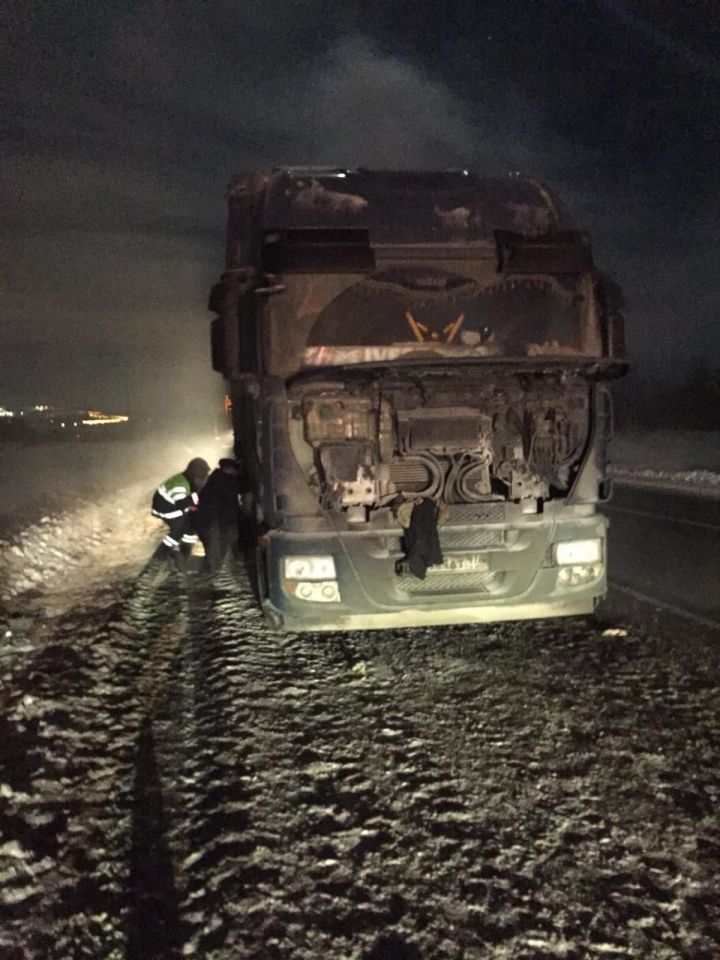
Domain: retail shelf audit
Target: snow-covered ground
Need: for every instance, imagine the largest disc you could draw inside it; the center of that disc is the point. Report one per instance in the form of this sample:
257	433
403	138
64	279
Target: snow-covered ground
670	459
76	516
179	780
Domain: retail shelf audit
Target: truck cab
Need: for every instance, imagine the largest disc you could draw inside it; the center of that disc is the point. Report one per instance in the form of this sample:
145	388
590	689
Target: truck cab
390	338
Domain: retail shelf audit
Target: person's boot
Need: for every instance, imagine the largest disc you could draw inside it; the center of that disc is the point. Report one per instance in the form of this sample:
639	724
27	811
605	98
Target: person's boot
182	557
162	552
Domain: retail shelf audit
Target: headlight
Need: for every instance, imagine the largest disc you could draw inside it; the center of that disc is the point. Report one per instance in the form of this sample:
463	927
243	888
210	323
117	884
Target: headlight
578	551
309	568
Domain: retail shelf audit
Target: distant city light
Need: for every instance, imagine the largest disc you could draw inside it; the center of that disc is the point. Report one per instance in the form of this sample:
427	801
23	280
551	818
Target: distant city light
95	417
51	417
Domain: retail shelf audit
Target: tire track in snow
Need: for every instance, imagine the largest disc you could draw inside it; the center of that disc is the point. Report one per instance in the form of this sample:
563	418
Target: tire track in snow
378	805
75	712
373	804
518	790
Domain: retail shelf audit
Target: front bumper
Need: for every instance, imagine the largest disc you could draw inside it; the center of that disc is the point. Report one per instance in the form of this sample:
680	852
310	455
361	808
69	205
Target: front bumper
492	613
520	581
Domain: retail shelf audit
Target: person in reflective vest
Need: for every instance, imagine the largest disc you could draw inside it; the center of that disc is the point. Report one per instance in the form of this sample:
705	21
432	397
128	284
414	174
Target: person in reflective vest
173	502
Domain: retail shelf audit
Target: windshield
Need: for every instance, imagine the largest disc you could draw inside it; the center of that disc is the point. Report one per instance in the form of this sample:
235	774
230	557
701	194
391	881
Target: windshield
415	309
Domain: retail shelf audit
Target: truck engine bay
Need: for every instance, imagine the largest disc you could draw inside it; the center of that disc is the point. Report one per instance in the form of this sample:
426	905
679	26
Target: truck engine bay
371	441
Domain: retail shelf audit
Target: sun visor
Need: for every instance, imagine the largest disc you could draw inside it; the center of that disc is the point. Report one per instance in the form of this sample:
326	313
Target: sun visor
318	250
567	252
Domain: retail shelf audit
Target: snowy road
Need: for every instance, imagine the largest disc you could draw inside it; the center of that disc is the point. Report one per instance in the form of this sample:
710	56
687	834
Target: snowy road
177	779
666	546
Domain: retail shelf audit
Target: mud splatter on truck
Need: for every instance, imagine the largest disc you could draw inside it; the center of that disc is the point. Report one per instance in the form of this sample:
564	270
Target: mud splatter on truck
397	339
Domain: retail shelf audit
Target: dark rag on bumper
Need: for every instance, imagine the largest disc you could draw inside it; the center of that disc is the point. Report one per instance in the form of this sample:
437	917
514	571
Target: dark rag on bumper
422	543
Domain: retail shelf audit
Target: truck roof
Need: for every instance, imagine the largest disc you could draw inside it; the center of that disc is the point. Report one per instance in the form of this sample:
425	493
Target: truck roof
402	206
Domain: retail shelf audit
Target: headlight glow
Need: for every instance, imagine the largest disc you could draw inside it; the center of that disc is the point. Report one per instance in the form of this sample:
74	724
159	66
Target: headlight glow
578	551
309	568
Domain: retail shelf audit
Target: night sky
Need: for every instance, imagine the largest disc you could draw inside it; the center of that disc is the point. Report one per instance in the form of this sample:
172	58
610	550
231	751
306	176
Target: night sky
121	123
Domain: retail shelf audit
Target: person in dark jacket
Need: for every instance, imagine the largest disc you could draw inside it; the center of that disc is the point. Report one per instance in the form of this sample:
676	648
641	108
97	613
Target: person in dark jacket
173	502
217	516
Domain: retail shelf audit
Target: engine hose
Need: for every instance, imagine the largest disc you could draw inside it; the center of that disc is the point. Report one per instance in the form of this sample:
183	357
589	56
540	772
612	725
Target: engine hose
470	496
436	474
451	478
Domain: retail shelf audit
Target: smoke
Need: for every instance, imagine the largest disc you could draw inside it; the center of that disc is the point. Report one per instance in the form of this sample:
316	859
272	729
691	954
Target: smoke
363	107
122	127
113	177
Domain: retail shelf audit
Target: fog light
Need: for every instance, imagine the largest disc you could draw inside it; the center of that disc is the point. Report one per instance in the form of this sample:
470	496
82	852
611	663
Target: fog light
578	551
314	591
309	568
304	591
578	574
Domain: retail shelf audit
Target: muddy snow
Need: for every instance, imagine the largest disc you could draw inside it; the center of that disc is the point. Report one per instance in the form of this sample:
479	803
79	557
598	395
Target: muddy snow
177	779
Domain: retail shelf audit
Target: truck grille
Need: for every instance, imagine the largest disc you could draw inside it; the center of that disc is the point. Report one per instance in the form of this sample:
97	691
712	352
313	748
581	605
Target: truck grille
445	583
491	511
471	538
474	538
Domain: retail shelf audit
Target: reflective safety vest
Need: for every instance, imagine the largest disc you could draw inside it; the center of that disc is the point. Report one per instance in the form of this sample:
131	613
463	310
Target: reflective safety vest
173	498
